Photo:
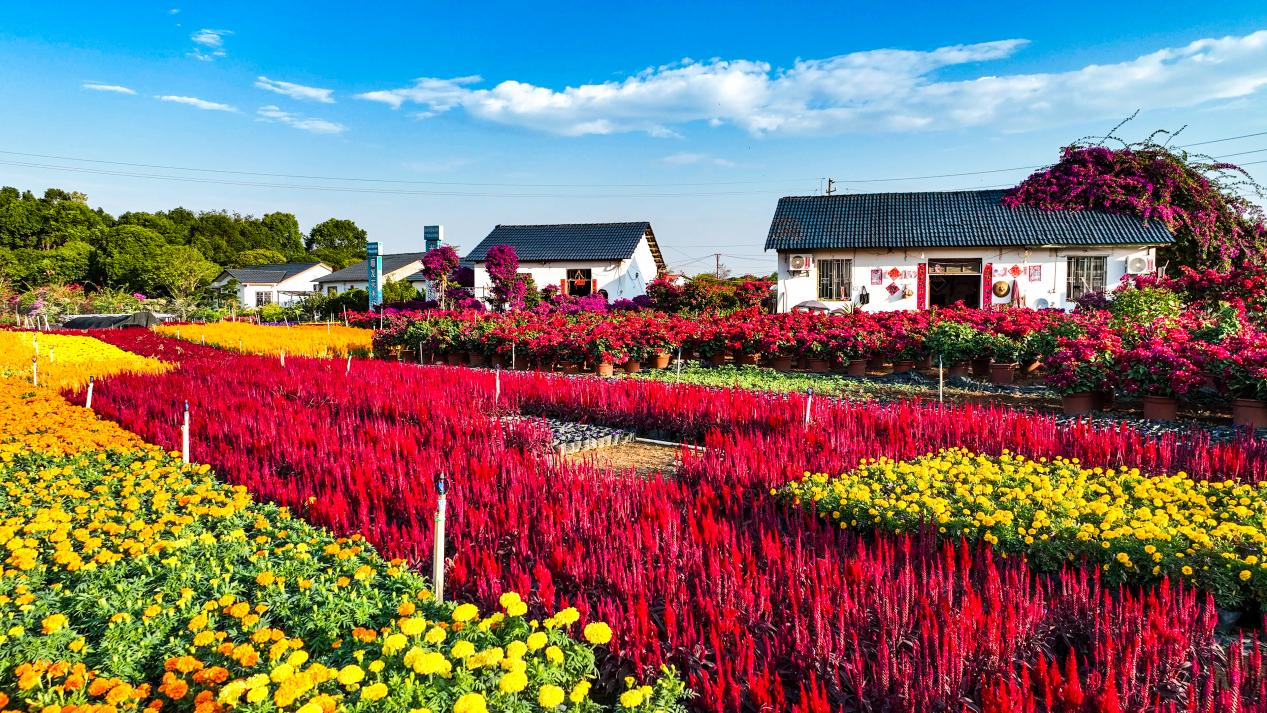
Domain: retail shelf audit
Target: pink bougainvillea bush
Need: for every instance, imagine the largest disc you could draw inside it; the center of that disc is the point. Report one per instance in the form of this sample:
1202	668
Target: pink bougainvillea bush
761	607
1213	224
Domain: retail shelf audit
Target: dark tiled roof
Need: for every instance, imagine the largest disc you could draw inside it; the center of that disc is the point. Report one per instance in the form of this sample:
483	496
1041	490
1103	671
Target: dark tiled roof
269	274
945	219
360	271
570	242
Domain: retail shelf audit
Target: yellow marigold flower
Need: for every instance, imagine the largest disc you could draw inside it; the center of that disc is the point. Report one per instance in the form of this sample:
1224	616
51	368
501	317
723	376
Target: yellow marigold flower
374	692
536	640
579	692
257	694
631	698
309	707
517	609
512	682
412	626
554	655
462	649
470	703
351	674
1245	575
265	578
508	599
394	643
465	612
52	623
516	649
598	633
550	696
568	616
435	635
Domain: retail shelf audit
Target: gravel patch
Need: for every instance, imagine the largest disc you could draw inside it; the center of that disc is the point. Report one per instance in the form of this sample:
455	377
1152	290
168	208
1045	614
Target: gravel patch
572	437
1218	433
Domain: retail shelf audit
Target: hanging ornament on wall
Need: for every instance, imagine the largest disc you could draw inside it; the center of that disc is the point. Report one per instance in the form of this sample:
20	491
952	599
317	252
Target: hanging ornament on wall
894	273
1014	271
893	288
1002	288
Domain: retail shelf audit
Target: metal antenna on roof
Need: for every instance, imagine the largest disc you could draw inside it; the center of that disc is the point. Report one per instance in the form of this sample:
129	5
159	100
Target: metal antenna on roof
831	186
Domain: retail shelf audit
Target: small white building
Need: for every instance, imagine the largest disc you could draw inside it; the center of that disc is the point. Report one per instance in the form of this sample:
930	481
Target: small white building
890	251
615	259
282	284
356	277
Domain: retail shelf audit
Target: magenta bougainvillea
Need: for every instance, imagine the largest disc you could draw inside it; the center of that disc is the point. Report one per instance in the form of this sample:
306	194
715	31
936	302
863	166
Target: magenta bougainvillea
1197	200
509	289
438	267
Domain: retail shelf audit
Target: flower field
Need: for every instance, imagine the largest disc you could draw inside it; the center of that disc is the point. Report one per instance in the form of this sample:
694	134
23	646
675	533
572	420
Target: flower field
65	361
131	581
759	605
1137	526
315	340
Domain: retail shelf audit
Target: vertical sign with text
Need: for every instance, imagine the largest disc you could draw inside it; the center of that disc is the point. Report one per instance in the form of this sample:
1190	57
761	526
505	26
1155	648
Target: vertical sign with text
375	284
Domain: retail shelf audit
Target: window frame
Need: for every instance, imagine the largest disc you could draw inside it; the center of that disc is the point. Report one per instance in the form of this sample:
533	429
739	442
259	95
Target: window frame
1085	263
263	298
838	270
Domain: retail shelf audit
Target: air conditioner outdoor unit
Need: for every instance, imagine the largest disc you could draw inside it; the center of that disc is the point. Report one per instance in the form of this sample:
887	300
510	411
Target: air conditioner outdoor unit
800	263
1136	266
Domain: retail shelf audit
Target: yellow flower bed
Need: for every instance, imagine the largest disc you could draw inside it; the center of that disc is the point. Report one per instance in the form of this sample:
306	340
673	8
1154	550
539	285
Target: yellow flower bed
314	340
127	578
66	361
1136	527
39	420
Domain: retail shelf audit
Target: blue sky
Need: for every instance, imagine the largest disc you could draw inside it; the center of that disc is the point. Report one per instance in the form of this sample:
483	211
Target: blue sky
695	116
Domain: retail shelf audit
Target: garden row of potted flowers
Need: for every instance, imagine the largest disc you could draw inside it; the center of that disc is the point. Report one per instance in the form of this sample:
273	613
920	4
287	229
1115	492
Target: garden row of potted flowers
1087	356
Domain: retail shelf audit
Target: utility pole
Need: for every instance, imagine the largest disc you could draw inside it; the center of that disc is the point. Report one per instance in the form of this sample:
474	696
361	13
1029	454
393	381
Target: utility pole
717	266
831	186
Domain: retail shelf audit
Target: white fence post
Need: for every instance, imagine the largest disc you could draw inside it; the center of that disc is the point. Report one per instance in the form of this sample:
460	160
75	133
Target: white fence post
35	371
88	398
941	381
437	566
184	437
809	402
497	384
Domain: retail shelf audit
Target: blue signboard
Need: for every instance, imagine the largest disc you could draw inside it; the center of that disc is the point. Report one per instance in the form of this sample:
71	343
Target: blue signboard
375	275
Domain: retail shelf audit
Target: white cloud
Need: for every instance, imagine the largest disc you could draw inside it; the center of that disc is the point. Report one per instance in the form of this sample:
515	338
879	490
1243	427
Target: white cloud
174	11
295	91
876	90
116	88
198	103
687	158
210	44
298	121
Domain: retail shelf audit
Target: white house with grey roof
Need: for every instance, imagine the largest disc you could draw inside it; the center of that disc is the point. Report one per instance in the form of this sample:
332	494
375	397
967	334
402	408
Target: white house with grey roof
280	284
396	267
615	259
891	251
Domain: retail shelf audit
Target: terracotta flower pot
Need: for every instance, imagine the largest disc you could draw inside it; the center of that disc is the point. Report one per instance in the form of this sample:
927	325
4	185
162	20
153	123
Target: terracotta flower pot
781	363
1249	412
478	359
857	367
903	366
981	367
1160	408
819	366
662	360
632	366
1078	404
717	359
605	369
570	367
958	370
1003	374
456	358
746	359
924	362
875	362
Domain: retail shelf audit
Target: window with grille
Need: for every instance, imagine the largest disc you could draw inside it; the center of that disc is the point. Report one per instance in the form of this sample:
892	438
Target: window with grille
1086	274
834	279
263	298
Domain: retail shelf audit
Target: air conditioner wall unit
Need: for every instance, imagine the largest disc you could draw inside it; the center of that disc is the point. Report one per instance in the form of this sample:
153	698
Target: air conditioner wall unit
1136	266
800	262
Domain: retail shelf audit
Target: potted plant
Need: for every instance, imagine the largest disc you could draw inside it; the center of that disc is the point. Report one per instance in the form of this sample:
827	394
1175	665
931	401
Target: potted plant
1004	351
1238	365
954	342
1082	366
1160	368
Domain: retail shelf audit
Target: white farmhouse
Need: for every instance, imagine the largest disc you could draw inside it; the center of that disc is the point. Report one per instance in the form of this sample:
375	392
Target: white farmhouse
281	284
615	259
356	277
890	251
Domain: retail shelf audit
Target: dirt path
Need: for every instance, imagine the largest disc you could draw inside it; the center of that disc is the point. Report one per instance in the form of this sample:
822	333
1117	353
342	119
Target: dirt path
644	458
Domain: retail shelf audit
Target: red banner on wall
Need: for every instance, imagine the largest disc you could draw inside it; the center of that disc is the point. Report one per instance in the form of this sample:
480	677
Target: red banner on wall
921	286
987	283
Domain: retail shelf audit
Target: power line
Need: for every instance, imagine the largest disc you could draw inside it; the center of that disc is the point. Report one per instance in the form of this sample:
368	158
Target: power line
1229	138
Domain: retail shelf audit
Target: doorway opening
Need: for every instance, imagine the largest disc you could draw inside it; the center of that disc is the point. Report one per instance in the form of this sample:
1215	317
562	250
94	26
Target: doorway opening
951	281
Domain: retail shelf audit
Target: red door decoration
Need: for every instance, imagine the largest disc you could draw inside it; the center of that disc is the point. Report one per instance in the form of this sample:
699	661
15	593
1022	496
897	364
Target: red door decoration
1014	271
921	286
987	278
894	273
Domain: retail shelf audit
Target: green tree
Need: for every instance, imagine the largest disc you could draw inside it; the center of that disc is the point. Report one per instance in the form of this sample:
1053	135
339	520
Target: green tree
284	234
258	256
158	222
181	271
337	242
401	291
126	257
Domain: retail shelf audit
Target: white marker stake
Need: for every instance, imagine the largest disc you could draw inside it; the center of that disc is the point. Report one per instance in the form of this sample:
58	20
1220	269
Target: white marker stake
35	371
88	398
184	437
497	384
512	356
178	334
679	363
941	381
419	352
349	369
283	356
809	401
437	566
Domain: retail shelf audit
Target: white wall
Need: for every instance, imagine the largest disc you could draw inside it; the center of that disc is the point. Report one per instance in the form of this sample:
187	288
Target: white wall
622	279
797	288
301	282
